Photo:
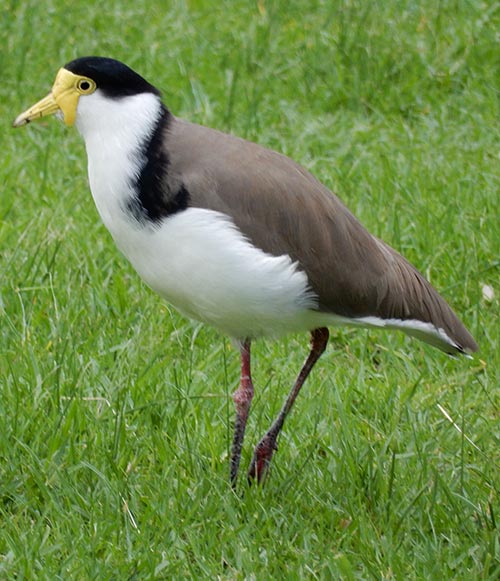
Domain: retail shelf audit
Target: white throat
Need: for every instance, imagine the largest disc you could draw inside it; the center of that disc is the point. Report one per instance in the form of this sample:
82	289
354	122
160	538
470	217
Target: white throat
115	131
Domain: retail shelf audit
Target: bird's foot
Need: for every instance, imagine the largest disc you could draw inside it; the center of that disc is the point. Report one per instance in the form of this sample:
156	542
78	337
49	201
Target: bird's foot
261	460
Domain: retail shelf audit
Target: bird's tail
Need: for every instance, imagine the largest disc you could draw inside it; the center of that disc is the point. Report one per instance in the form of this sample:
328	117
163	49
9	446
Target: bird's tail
420	311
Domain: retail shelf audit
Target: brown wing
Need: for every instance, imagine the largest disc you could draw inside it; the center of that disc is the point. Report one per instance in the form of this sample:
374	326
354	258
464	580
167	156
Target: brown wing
283	209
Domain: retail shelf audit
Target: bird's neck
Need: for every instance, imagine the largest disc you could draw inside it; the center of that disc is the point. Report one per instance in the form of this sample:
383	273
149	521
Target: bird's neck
118	134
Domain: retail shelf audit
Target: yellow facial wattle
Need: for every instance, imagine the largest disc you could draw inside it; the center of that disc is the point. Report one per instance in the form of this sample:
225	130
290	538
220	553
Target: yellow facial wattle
63	97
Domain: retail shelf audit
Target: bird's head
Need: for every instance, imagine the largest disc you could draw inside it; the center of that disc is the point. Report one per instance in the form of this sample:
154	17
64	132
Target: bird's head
91	79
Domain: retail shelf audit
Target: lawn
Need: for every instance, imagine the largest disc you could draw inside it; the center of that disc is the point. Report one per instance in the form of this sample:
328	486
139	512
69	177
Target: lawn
115	411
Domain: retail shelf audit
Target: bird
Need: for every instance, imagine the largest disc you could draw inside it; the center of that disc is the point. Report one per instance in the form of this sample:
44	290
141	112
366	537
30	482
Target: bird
236	235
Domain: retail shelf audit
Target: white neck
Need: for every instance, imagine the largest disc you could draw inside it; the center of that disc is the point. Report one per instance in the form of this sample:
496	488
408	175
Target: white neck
115	131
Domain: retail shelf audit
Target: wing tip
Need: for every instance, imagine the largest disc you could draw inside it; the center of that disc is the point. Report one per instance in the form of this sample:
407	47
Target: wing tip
428	333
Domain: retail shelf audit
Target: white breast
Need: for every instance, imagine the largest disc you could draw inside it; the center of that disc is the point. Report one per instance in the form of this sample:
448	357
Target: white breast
115	131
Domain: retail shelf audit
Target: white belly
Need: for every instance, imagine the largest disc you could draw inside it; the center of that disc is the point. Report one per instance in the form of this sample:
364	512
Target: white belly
199	262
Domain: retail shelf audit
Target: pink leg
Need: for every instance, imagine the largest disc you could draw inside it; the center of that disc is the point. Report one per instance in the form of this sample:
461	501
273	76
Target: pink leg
242	398
265	448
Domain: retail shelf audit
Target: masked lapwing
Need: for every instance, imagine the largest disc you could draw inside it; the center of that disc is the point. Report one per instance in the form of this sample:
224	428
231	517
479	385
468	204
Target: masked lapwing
236	235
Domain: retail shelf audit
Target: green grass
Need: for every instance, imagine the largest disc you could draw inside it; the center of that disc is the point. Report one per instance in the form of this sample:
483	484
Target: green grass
115	412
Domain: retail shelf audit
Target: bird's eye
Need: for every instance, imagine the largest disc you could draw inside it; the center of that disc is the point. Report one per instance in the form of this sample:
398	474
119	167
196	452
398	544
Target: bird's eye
85	86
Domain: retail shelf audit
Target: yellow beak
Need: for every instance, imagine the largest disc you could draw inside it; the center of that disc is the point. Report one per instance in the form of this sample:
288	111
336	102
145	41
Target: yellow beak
47	106
63	97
